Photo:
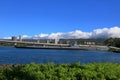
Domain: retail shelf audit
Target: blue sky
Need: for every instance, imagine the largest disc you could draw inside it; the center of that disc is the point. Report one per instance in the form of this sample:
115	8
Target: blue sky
32	17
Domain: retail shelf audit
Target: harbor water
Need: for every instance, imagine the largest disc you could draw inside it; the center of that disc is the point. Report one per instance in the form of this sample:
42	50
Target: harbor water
11	55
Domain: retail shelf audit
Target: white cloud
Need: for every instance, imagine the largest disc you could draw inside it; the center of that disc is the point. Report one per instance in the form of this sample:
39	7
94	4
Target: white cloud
68	35
6	37
100	33
25	37
113	32
55	35
76	34
41	36
97	33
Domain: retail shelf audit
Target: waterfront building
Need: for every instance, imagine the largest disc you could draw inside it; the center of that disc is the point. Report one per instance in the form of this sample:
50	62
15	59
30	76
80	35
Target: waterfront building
56	41
14	38
20	38
38	41
48	41
89	43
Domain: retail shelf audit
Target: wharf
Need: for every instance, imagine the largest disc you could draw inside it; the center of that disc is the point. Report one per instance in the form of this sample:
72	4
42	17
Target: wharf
36	45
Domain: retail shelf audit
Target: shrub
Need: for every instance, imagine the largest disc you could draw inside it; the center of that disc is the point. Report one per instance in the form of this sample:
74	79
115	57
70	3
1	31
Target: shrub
51	71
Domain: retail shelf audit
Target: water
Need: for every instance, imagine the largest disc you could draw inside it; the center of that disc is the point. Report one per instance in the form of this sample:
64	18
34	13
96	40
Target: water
11	55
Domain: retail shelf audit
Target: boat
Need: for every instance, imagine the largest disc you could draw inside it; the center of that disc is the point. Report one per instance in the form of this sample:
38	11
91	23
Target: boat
52	47
90	48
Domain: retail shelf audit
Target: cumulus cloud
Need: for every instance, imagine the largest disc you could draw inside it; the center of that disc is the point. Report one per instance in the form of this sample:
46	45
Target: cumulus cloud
41	36
6	37
25	37
100	33
69	35
113	32
55	35
76	34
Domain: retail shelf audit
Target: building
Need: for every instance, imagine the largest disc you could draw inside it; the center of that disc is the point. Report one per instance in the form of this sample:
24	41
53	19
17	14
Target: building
20	38
14	38
56	41
89	43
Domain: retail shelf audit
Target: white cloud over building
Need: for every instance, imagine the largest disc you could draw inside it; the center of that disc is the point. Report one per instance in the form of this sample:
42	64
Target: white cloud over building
113	32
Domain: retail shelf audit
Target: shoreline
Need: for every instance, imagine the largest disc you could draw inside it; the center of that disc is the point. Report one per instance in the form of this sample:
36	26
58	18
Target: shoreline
83	47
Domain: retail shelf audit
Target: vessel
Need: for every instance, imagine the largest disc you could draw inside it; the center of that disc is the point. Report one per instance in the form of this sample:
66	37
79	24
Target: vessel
51	47
93	48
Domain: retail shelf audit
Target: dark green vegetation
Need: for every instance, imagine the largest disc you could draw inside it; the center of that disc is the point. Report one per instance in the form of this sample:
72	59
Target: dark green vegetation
6	44
51	71
112	42
114	50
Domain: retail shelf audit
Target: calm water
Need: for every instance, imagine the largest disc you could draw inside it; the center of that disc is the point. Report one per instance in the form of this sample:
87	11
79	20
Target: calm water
11	55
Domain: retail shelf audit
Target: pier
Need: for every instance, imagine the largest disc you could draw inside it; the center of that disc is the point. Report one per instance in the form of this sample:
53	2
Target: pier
55	44
32	43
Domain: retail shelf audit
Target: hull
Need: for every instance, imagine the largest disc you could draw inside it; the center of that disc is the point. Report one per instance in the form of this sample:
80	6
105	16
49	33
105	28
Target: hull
89	48
52	48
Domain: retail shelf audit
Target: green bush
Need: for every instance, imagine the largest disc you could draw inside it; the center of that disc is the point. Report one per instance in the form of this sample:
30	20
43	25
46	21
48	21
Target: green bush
51	71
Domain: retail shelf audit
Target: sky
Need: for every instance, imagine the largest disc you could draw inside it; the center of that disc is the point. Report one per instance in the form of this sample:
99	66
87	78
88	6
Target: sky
60	18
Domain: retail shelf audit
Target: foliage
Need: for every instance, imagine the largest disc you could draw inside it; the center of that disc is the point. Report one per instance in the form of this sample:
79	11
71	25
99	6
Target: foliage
112	42
51	71
114	50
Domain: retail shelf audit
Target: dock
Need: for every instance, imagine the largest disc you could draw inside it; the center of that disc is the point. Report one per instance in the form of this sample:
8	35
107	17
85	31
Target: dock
37	45
32	43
